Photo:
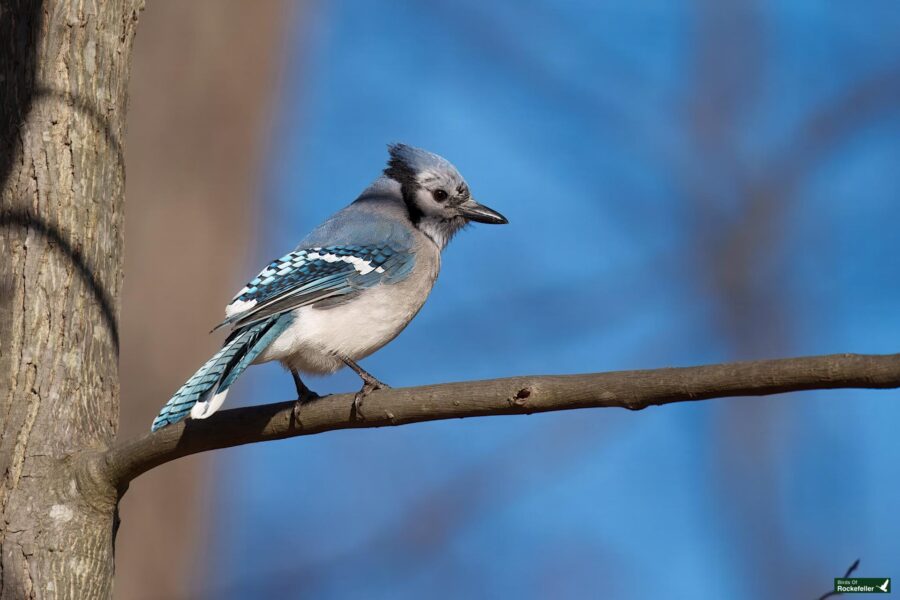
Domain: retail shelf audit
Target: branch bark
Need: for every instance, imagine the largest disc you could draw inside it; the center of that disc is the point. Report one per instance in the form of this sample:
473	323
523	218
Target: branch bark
634	390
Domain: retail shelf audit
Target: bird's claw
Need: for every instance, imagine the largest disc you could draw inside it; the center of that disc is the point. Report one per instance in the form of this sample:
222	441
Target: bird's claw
304	394
356	408
368	387
307	396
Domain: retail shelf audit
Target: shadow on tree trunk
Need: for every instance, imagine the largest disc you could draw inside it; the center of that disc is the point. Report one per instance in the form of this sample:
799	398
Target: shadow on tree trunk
20	23
58	240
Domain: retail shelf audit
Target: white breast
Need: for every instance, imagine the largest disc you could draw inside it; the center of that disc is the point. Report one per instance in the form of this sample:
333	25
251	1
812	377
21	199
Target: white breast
318	337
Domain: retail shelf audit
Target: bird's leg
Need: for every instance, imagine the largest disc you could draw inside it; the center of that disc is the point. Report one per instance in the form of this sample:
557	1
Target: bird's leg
304	394
365	375
370	384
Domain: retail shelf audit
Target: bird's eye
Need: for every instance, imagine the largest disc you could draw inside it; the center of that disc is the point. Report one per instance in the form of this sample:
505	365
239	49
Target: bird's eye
439	195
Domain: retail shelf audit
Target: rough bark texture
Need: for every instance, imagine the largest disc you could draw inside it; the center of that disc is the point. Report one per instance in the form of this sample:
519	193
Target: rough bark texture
63	75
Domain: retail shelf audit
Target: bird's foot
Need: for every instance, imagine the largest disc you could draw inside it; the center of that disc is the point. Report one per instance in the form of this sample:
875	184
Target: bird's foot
369	385
304	394
307	397
374	383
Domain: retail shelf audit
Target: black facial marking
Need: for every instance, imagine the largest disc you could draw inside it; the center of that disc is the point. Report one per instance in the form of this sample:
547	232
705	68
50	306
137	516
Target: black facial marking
399	171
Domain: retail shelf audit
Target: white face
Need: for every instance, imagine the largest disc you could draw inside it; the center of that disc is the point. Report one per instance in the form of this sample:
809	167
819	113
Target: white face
440	193
435	192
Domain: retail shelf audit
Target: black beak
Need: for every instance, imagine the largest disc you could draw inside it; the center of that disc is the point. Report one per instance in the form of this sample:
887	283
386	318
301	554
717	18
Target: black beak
481	214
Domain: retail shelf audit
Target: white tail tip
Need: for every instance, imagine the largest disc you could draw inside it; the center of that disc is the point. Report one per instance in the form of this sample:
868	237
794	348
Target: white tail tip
204	409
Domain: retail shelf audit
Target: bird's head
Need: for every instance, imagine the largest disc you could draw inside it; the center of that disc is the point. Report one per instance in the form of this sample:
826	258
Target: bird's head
436	195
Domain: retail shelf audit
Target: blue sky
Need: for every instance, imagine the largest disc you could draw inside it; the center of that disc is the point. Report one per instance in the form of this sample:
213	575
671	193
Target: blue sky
684	184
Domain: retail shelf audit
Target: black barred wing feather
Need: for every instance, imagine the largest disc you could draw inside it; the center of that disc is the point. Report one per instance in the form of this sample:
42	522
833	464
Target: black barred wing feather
312	275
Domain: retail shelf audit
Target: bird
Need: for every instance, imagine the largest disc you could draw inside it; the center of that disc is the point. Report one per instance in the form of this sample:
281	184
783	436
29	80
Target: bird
347	289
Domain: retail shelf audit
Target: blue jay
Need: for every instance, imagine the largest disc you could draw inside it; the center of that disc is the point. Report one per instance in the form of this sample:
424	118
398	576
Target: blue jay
349	288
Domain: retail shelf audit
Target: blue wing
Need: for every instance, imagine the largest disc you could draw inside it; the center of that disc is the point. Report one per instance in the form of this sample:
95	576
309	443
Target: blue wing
317	275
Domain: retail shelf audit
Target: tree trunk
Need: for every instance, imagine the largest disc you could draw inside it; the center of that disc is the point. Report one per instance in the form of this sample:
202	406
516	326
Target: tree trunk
64	69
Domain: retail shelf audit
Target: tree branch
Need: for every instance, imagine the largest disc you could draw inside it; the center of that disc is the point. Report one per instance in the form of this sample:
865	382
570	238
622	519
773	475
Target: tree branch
634	390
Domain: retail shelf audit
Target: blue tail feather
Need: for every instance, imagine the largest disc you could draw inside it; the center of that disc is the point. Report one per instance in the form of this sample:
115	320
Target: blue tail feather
220	371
